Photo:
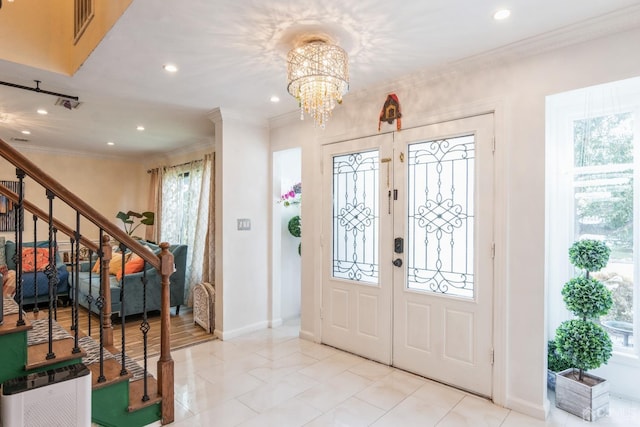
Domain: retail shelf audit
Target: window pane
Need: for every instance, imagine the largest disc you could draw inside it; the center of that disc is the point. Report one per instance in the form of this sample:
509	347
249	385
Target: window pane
440	216
603	191
355	216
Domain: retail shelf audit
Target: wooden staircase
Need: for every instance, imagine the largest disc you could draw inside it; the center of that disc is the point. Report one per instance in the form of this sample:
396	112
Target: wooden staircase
123	393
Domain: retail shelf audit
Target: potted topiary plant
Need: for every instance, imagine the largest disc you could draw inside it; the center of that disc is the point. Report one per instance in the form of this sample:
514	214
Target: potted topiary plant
582	342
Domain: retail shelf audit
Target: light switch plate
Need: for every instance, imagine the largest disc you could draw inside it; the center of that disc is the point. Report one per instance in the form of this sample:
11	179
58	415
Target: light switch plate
244	224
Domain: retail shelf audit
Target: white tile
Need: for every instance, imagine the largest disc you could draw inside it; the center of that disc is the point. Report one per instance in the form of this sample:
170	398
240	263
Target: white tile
281	367
331	366
371	370
273	378
226	414
204	397
274	393
230	368
353	413
292	413
516	419
474	412
391	390
336	390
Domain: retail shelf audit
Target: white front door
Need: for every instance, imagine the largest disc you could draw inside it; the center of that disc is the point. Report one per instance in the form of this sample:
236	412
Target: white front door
443	292
357	280
408	235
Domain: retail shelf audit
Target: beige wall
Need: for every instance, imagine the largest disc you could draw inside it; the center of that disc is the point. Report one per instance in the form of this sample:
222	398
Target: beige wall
106	184
41	32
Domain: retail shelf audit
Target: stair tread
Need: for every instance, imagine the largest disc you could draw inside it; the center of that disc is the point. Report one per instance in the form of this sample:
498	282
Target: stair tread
136	391
112	375
63	350
9	324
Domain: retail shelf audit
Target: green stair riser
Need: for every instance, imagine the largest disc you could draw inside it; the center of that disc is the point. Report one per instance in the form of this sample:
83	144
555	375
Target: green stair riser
109	408
13	354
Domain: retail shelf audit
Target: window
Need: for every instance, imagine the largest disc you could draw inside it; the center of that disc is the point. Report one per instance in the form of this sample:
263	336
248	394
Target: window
593	146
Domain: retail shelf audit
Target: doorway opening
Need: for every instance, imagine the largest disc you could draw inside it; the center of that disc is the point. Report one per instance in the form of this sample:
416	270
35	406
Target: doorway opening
286	229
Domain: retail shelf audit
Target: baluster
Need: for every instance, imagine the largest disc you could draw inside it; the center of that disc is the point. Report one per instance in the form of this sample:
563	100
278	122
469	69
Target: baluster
72	256
90	296
75	282
51	274
123	249
35	265
54	268
19	217
100	305
144	327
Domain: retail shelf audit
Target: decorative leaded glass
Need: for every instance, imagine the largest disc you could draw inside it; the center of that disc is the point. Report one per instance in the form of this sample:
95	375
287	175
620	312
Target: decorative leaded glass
355	216
440	216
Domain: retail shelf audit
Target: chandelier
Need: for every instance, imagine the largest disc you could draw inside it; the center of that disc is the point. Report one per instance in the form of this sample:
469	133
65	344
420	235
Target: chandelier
318	76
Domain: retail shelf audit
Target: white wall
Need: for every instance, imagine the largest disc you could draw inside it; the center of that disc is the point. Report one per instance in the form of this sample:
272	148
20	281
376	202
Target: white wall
515	90
242	191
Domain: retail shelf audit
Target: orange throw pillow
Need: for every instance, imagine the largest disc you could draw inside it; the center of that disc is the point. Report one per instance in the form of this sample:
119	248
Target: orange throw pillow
115	265
33	258
96	266
134	265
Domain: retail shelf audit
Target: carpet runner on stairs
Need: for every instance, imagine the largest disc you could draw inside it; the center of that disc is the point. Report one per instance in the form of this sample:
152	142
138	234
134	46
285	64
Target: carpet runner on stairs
9	306
40	334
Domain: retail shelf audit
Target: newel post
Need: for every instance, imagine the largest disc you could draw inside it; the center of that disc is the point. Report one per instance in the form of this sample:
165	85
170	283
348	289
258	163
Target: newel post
105	285
165	363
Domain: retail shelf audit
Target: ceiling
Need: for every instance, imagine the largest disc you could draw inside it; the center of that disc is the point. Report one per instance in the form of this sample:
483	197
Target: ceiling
232	54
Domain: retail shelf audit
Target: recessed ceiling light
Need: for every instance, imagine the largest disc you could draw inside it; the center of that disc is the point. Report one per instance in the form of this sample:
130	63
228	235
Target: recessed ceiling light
171	68
275	99
140	128
502	14
111	143
26	132
42	111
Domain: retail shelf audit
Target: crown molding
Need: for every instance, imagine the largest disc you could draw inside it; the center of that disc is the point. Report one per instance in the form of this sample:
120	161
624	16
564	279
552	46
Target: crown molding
619	21
219	115
73	153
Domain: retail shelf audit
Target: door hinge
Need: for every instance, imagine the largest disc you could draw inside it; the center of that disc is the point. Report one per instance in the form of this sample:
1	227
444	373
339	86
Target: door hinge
321	314
492	356
493	147
493	251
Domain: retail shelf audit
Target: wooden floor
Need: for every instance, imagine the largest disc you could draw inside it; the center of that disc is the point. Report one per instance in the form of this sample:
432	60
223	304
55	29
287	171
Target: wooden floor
184	332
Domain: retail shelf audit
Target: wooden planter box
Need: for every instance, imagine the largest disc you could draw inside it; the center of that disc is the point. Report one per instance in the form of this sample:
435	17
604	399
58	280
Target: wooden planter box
588	400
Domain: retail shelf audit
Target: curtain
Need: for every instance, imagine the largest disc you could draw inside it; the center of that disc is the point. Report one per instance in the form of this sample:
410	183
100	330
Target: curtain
154	204
185	199
201	250
208	264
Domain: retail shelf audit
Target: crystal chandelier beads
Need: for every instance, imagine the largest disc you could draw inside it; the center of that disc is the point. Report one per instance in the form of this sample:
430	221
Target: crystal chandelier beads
318	76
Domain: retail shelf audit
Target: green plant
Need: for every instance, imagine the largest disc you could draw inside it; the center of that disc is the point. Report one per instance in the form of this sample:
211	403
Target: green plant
581	342
555	362
589	255
128	219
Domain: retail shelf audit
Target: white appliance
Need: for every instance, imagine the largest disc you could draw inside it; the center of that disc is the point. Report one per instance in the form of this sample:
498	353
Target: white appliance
57	397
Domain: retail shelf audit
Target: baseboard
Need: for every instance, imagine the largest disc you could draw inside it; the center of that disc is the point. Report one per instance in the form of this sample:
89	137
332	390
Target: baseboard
524	407
306	335
227	335
275	323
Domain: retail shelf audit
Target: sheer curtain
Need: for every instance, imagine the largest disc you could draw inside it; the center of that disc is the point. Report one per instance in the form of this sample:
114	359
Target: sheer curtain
185	201
152	232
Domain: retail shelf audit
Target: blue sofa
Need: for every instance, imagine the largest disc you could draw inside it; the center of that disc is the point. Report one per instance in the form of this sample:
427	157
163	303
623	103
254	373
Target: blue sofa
133	300
39	278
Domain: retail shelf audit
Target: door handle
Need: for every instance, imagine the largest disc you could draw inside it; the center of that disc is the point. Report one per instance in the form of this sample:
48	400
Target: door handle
397	262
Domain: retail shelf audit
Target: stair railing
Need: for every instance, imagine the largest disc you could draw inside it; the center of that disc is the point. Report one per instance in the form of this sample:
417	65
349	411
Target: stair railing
163	262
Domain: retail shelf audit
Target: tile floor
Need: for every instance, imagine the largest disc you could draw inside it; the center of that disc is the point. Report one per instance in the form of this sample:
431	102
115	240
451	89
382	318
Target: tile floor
273	378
